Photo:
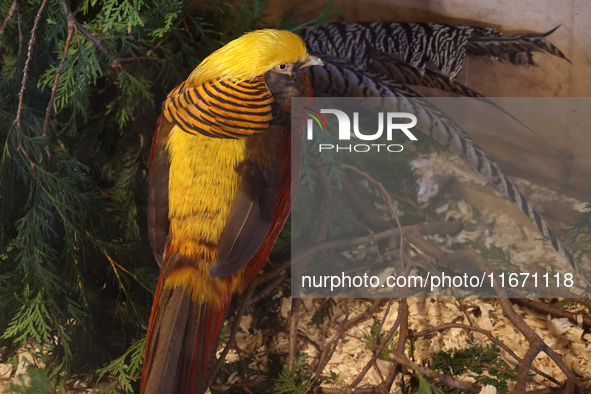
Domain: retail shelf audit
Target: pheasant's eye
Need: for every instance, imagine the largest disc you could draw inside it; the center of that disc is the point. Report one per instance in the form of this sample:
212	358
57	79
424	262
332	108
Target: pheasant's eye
283	67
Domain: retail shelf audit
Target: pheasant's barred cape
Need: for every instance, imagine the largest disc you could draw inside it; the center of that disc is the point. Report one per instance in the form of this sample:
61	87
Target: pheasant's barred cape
221	108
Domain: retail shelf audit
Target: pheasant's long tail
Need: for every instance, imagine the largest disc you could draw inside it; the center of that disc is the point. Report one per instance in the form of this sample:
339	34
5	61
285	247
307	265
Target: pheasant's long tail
443	48
181	343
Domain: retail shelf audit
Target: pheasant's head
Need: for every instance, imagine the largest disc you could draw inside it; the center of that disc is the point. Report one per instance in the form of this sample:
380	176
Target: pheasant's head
254	54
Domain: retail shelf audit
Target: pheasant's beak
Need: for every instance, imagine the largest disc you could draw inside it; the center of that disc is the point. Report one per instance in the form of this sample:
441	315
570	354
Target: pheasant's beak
312	60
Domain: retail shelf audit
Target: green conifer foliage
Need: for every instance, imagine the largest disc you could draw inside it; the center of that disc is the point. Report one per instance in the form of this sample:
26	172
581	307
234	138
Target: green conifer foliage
81	84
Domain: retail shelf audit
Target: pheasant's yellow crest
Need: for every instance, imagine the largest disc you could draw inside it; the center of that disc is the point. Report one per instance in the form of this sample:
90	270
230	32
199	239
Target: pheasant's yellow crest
250	56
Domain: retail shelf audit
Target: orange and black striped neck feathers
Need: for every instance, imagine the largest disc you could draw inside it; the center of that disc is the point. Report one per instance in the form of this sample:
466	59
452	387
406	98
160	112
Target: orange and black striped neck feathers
226	95
221	109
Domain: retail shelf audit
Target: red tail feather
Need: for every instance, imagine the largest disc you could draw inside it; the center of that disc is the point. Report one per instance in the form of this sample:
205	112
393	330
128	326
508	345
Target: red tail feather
181	343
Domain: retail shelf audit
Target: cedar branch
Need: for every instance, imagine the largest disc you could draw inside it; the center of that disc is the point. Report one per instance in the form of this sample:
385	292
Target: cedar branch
13	8
71	28
490	337
95	40
18	23
17	121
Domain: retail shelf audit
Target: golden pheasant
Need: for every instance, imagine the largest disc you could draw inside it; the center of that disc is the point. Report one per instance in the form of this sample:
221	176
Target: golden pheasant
219	194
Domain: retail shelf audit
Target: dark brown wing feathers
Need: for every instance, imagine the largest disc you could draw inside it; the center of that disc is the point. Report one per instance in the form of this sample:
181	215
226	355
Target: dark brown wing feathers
158	222
249	220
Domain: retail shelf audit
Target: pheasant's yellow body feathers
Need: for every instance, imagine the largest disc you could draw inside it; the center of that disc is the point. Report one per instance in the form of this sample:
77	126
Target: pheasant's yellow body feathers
202	187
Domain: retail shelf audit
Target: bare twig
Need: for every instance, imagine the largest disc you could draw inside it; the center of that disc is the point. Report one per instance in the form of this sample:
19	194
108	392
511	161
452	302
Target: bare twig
120	60
552	311
386	197
115	265
71	28
329	350
188	31
363	315
403	301
149	53
235	325
13	8
383	321
532	337
426	229
95	40
303	335
569	387
360	390
239	353
267	290
134	276
364	214
401	345
326	196
584	301
17	121
438	377
243	385
259	280
535	347
248	300
293	330
400	359
464	310
402	314
394	211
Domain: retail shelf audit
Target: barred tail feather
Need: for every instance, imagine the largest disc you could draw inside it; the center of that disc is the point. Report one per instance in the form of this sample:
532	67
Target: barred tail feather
341	79
419	44
397	70
337	78
516	49
422	45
